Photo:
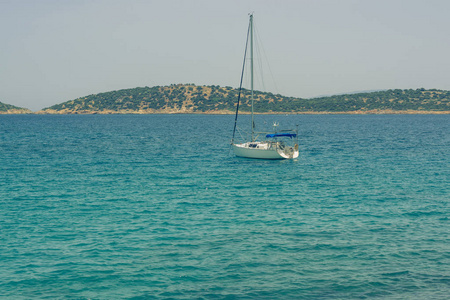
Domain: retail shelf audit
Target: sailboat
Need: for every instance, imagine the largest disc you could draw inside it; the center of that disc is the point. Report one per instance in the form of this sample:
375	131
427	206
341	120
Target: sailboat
278	144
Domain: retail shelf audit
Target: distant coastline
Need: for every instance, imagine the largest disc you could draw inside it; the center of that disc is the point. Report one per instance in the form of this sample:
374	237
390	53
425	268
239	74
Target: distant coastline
227	112
380	112
192	99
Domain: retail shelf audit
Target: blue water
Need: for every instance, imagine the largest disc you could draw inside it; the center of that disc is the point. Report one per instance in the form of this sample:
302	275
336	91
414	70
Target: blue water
155	207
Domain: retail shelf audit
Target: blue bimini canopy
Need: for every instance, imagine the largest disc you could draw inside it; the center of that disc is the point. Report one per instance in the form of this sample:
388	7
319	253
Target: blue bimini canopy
274	135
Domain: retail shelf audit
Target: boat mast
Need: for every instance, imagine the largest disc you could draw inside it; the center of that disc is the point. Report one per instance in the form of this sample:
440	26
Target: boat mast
251	71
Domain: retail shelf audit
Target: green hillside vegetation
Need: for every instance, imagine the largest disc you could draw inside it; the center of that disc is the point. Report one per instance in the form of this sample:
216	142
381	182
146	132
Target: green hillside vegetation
11	109
189	98
395	100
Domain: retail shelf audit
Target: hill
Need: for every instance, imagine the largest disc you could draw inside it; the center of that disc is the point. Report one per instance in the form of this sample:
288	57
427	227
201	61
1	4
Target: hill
11	109
189	98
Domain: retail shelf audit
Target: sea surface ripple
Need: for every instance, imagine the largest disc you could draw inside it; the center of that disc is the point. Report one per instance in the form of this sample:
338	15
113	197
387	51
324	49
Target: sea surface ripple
156	207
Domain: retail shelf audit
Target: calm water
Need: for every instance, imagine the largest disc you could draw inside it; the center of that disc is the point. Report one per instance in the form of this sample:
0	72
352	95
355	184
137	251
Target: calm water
154	207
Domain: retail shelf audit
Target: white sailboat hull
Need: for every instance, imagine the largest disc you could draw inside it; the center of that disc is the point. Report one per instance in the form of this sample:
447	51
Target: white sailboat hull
264	150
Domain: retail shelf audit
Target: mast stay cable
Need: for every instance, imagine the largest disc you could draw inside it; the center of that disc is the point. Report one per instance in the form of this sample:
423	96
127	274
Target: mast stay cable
240	85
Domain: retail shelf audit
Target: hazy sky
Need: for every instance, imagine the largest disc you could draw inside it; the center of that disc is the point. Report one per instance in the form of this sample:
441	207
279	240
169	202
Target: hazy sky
55	51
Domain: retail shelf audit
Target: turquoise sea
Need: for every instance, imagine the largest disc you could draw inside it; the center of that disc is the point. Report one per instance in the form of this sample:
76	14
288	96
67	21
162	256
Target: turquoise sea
155	207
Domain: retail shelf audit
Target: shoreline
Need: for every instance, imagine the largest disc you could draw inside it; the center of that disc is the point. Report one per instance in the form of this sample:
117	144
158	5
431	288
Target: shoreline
227	112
